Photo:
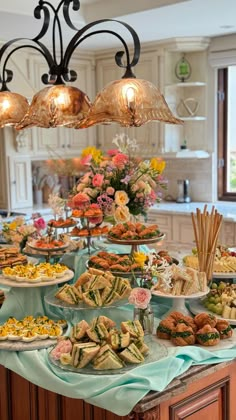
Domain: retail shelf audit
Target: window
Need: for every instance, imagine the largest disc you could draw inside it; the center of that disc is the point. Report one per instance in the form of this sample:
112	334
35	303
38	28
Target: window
227	133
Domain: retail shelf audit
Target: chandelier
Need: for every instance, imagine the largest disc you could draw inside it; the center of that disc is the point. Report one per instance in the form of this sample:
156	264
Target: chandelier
128	101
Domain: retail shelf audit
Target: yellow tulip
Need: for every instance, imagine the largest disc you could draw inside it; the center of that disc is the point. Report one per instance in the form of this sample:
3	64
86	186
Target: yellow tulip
94	152
157	164
139	258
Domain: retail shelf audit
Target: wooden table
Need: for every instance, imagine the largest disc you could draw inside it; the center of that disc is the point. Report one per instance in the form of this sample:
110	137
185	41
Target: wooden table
206	392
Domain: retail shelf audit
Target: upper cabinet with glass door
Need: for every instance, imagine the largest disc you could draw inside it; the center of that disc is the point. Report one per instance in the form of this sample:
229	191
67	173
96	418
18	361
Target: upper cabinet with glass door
185	89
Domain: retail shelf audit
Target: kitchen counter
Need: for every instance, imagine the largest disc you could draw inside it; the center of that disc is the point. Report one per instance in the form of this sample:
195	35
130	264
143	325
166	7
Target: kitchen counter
227	209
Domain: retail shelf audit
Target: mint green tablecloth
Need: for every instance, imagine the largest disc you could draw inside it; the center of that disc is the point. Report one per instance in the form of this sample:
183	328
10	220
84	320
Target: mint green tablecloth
116	393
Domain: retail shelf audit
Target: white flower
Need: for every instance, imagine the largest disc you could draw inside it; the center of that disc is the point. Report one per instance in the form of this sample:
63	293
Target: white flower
124	143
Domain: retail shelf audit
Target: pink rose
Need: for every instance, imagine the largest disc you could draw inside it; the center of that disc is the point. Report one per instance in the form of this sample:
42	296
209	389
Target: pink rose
110	190
140	297
63	346
112	152
97	180
81	200
86	160
120	160
40	224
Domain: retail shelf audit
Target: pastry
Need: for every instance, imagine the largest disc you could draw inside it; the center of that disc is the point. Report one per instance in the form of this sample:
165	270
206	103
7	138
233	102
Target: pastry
208	336
203	318
165	327
224	329
183	335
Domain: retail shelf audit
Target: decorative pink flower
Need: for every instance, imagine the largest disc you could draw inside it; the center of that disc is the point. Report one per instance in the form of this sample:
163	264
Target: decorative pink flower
120	160
97	180
110	190
140	297
86	160
40	224
112	152
81	200
63	346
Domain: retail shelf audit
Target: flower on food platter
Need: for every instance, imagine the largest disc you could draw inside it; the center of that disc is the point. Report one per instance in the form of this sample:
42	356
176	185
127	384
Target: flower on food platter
17	231
140	297
121	183
57	204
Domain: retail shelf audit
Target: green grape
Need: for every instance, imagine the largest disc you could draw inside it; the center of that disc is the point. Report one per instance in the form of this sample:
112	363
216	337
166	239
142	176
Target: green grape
217	299
212	299
214	286
218	310
211	307
221	286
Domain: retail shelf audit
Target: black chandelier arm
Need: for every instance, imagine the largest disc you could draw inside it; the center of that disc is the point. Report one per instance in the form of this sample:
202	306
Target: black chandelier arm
44	6
7	74
76	7
74	42
119	54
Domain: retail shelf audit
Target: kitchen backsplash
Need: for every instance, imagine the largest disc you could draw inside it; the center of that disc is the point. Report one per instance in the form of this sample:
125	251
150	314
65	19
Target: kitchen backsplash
198	171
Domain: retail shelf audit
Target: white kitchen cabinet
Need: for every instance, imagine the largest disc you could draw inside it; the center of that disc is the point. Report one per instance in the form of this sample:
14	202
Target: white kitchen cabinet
191	94
147	136
164	222
20	180
182	229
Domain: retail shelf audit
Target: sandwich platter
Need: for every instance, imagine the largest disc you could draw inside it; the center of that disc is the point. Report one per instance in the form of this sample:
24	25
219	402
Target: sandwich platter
157	351
52	300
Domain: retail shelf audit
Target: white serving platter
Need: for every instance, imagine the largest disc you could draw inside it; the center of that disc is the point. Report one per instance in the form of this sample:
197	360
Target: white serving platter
196	307
228	343
13	283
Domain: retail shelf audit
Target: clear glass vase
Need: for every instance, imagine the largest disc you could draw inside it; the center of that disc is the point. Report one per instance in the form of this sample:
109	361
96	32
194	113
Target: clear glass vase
146	318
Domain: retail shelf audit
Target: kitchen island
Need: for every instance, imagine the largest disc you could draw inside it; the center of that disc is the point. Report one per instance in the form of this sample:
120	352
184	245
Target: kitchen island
175	220
183	383
206	391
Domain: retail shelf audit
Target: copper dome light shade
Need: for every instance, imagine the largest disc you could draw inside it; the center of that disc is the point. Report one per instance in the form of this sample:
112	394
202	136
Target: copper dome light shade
128	101
13	107
56	106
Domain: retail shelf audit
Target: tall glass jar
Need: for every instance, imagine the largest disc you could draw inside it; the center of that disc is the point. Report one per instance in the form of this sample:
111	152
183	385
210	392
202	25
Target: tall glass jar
146	318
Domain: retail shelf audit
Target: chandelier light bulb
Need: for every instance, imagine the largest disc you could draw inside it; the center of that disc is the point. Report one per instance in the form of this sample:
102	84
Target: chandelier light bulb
130	97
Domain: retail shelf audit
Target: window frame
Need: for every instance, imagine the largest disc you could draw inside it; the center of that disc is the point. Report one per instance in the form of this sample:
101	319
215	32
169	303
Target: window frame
222	136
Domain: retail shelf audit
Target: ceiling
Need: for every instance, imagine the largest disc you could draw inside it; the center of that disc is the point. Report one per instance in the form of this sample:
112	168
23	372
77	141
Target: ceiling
153	20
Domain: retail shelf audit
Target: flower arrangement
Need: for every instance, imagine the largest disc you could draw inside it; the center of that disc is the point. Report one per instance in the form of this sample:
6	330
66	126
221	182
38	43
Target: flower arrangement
18	231
140	298
57	204
120	183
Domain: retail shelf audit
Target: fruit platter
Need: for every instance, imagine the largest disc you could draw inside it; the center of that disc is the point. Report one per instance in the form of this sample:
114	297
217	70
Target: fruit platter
221	300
